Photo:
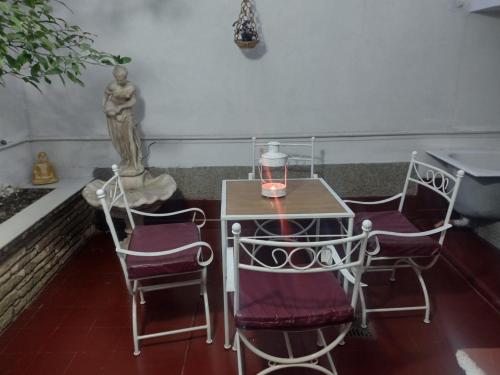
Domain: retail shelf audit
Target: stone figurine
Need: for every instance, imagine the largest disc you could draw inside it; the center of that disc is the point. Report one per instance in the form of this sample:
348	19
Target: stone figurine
142	188
118	102
43	171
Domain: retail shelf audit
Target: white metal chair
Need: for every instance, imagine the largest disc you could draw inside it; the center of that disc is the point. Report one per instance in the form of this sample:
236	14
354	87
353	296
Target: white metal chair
295	291
156	252
401	244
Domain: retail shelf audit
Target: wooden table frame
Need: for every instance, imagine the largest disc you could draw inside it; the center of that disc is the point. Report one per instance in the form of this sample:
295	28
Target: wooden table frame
307	198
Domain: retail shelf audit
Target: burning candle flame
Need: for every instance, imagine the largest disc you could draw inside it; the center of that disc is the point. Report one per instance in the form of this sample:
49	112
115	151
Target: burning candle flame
274	185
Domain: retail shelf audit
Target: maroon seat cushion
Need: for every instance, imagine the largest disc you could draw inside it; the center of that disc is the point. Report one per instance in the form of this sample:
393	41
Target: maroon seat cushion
391	246
291	301
149	238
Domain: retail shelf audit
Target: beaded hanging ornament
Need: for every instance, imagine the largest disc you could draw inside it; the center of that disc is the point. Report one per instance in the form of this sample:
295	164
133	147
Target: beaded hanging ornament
245	27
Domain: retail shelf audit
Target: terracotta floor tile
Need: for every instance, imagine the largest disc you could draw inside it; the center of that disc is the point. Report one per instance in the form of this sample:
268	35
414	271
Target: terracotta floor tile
216	359
102	338
15	364
66	340
112	317
81	317
480	267
88	363
28	341
48	317
50	363
124	340
7	337
167	360
63	297
25	318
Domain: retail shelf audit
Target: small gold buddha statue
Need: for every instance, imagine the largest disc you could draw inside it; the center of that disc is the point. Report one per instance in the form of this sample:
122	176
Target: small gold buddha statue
43	172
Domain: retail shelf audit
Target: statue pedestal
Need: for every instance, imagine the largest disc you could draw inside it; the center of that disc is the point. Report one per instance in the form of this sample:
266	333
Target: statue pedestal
144	192
142	189
135	182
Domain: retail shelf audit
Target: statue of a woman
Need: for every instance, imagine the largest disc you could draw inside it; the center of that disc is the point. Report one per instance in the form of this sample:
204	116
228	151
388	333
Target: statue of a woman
119	98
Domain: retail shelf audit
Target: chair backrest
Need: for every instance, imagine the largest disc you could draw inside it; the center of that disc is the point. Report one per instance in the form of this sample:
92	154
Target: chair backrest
439	181
110	195
258	148
292	255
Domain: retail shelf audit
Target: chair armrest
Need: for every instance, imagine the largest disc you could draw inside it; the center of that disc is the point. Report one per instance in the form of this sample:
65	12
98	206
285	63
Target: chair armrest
375	202
375	233
194	209
413	234
201	244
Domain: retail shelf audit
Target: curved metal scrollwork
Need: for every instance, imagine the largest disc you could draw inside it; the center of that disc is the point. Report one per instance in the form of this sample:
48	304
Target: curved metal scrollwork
112	192
261	227
435	178
303	257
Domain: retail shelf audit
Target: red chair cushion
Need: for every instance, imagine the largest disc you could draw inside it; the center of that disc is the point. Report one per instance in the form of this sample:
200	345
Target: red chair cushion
291	301
149	238
391	246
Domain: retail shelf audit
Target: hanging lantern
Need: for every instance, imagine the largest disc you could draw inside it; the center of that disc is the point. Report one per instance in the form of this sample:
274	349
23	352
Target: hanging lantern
245	27
273	168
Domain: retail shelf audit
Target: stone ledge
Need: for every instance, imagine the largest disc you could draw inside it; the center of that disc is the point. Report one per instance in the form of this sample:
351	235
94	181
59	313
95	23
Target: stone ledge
30	260
348	180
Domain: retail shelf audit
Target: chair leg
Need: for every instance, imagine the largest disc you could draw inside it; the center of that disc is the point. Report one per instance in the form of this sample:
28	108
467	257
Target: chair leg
307	361
234	348
134	325
288	344
141	294
328	355
393	273
239	354
319	342
426	295
363	308
207	308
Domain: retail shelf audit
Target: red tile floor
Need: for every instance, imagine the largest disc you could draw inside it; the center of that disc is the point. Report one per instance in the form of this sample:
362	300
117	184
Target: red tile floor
80	324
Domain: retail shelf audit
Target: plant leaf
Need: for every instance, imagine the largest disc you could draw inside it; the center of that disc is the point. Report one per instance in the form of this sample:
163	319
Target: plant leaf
34	43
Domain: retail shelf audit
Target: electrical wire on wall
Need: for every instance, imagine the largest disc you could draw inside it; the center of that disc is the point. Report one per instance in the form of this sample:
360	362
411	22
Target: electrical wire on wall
148	151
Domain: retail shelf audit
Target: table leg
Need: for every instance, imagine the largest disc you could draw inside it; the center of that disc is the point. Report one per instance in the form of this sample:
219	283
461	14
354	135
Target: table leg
318	232
223	231
350	228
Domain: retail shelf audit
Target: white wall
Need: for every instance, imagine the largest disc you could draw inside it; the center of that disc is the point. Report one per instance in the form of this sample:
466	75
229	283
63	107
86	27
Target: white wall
76	159
15	157
409	74
15	165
